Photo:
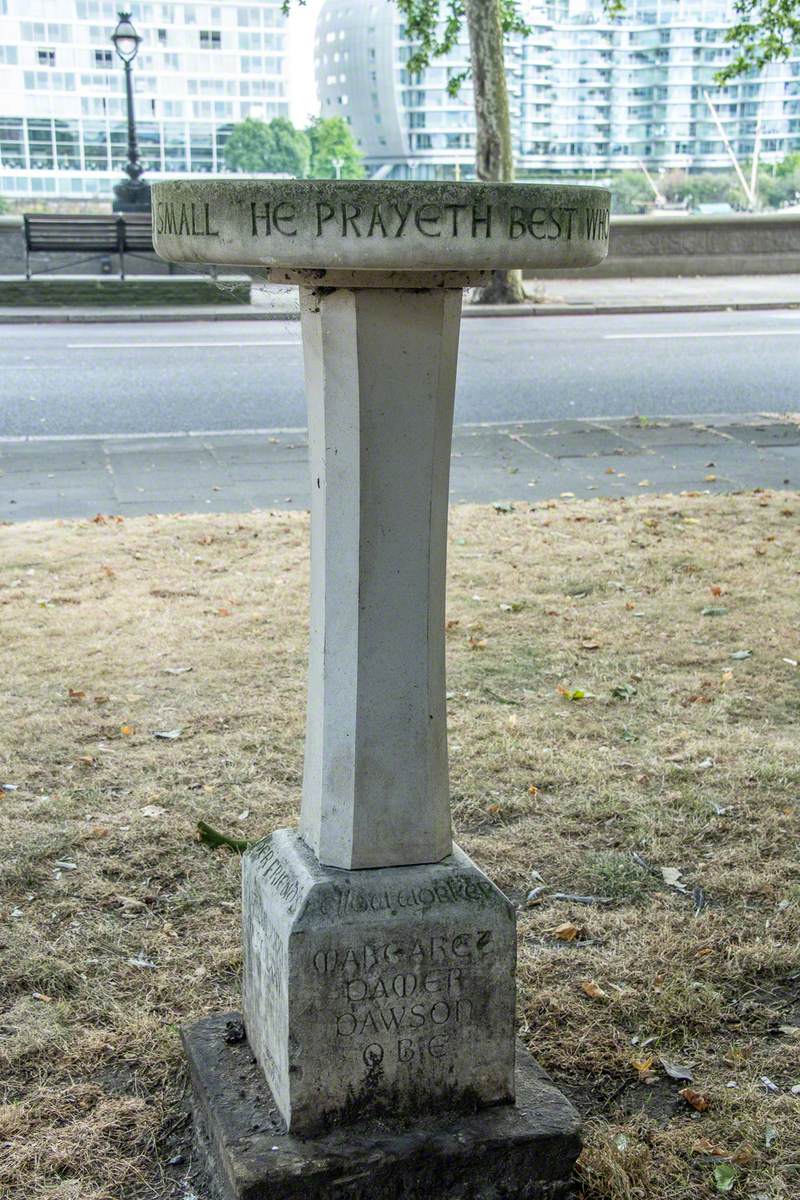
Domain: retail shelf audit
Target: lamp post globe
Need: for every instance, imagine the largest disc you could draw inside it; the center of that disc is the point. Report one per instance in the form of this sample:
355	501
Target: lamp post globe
131	194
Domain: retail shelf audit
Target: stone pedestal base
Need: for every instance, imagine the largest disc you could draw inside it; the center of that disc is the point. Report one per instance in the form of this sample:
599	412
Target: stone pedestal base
375	991
521	1151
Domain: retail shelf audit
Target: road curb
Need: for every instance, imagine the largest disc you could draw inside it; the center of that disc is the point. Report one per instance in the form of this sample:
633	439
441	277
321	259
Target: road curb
125	316
608	310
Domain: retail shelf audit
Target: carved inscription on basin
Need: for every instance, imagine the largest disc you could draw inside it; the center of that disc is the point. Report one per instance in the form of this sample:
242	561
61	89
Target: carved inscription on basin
321	224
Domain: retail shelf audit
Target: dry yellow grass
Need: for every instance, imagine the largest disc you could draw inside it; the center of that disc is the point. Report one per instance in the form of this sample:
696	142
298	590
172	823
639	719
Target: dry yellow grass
679	753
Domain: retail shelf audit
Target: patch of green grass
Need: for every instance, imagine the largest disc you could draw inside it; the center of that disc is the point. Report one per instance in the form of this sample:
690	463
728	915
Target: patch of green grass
616	875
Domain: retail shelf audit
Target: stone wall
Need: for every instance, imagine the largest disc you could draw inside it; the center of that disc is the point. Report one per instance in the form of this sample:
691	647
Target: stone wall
672	245
734	244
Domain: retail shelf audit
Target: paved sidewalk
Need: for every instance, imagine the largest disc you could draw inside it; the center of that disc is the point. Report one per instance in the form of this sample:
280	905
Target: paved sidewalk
553	297
516	463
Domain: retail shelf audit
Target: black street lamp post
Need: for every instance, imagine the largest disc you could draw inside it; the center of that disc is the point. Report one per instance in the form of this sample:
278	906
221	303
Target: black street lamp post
131	194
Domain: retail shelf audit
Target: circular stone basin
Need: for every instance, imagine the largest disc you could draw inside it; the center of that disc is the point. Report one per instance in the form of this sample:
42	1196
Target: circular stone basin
323	224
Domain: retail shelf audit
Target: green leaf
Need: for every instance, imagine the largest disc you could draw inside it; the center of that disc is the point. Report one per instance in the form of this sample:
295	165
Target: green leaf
215	839
725	1176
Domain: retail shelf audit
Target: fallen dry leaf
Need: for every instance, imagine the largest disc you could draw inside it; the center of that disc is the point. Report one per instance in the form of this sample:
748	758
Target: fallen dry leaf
593	990
567	932
152	810
672	878
704	1146
676	1070
697	1100
76	696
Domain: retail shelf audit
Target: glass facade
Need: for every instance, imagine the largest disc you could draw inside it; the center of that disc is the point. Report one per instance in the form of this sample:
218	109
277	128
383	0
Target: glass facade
585	92
200	69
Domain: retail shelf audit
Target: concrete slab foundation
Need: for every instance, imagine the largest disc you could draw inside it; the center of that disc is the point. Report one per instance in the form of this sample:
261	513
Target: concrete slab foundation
524	1151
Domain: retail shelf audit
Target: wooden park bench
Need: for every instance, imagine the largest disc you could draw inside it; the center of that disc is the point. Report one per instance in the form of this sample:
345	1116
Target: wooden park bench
92	235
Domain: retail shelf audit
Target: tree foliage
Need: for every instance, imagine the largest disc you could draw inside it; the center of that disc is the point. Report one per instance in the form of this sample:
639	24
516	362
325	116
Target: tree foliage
422	19
630	193
765	31
274	146
433	29
778	185
279	148
331	139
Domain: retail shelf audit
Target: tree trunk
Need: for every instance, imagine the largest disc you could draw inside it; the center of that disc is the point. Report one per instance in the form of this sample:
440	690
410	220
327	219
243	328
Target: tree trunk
493	151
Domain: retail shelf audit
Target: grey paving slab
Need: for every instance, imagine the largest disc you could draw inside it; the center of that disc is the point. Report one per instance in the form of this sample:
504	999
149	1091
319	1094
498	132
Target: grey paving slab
259	455
765	475
32	458
505	451
578	440
66	478
662	434
765	433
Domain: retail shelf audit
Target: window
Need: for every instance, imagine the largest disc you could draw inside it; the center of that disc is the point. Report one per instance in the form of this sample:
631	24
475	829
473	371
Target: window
87	9
58	81
40	144
249	17
103	58
38	31
162	37
210	39
46	58
8	54
12	143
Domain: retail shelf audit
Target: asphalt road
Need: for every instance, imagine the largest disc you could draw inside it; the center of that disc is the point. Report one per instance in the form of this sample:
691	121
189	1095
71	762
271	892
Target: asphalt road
58	380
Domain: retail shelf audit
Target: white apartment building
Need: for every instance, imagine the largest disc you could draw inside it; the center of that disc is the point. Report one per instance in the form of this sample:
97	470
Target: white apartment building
199	70
586	93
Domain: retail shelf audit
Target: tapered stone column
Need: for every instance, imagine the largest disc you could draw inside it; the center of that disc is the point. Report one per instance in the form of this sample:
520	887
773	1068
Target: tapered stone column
379	961
380	382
